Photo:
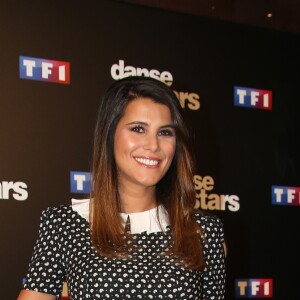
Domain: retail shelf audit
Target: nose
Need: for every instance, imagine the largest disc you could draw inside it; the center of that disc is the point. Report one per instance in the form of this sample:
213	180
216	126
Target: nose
151	142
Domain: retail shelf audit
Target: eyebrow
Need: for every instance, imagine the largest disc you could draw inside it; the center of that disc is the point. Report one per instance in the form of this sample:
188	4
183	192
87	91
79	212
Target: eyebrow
146	124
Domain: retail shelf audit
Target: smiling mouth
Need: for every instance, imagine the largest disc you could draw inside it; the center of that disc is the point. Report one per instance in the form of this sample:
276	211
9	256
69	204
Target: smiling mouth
147	161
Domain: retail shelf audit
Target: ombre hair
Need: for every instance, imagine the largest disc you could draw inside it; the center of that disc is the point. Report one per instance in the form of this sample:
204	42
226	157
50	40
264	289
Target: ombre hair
175	191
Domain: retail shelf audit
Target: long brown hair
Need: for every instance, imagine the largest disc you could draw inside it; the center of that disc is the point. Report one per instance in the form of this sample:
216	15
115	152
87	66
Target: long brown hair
175	191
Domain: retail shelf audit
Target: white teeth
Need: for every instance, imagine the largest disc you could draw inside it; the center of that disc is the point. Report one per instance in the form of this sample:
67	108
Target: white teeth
148	162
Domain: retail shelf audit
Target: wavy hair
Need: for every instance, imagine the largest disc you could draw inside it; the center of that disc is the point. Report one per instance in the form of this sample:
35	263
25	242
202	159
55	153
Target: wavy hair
175	191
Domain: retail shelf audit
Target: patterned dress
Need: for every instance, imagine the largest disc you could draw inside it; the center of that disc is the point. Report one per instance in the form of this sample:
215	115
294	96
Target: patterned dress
64	252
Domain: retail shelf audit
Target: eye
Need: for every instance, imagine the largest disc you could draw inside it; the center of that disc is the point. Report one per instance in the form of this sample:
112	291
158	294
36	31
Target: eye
166	132
138	129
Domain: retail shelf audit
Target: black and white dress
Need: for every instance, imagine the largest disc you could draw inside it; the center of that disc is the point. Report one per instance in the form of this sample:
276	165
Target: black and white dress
64	252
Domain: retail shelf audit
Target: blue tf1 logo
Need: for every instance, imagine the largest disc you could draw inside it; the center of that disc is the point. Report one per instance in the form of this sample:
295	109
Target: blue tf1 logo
286	195
80	182
254	288
43	69
254	98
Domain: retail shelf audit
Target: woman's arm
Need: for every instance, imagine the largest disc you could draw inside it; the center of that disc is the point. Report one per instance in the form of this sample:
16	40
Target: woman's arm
32	295
225	248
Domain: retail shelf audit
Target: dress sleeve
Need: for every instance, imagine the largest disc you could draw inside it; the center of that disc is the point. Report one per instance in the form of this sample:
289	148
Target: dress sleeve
46	272
214	254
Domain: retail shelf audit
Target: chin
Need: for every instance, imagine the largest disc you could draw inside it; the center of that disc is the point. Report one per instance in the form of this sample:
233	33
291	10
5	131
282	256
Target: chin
149	183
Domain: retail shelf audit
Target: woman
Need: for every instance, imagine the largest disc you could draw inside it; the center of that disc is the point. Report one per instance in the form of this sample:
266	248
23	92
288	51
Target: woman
140	236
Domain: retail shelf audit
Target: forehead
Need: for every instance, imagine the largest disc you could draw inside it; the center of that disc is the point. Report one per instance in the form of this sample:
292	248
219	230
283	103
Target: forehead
147	108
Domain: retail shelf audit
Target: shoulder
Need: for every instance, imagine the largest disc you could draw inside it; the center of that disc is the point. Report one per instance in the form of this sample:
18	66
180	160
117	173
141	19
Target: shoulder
75	213
211	225
56	214
56	211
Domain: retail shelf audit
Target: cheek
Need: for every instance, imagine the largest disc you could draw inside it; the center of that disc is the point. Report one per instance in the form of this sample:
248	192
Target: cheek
125	143
170	150
131	143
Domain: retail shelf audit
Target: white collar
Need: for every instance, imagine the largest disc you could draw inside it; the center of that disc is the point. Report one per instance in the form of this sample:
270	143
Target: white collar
145	221
82	207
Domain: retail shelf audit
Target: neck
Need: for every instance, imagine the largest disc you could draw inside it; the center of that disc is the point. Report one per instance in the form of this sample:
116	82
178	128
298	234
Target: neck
137	200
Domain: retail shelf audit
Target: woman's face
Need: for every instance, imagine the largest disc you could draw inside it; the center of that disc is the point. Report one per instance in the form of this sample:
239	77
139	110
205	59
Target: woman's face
144	143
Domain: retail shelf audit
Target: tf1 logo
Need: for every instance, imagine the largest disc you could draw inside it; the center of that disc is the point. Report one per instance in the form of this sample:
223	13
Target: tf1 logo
254	288
286	195
254	98
44	69
80	182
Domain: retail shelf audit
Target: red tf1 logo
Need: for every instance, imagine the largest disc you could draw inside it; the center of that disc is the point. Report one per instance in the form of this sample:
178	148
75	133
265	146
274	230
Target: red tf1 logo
253	98
44	69
254	288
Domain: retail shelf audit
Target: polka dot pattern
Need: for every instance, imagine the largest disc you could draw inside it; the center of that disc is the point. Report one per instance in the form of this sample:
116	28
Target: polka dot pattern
64	252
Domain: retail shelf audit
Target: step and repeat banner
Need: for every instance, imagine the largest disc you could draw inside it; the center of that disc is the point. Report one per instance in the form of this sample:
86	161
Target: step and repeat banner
237	85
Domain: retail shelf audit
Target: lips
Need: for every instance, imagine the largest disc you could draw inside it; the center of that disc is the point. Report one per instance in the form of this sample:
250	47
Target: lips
148	162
